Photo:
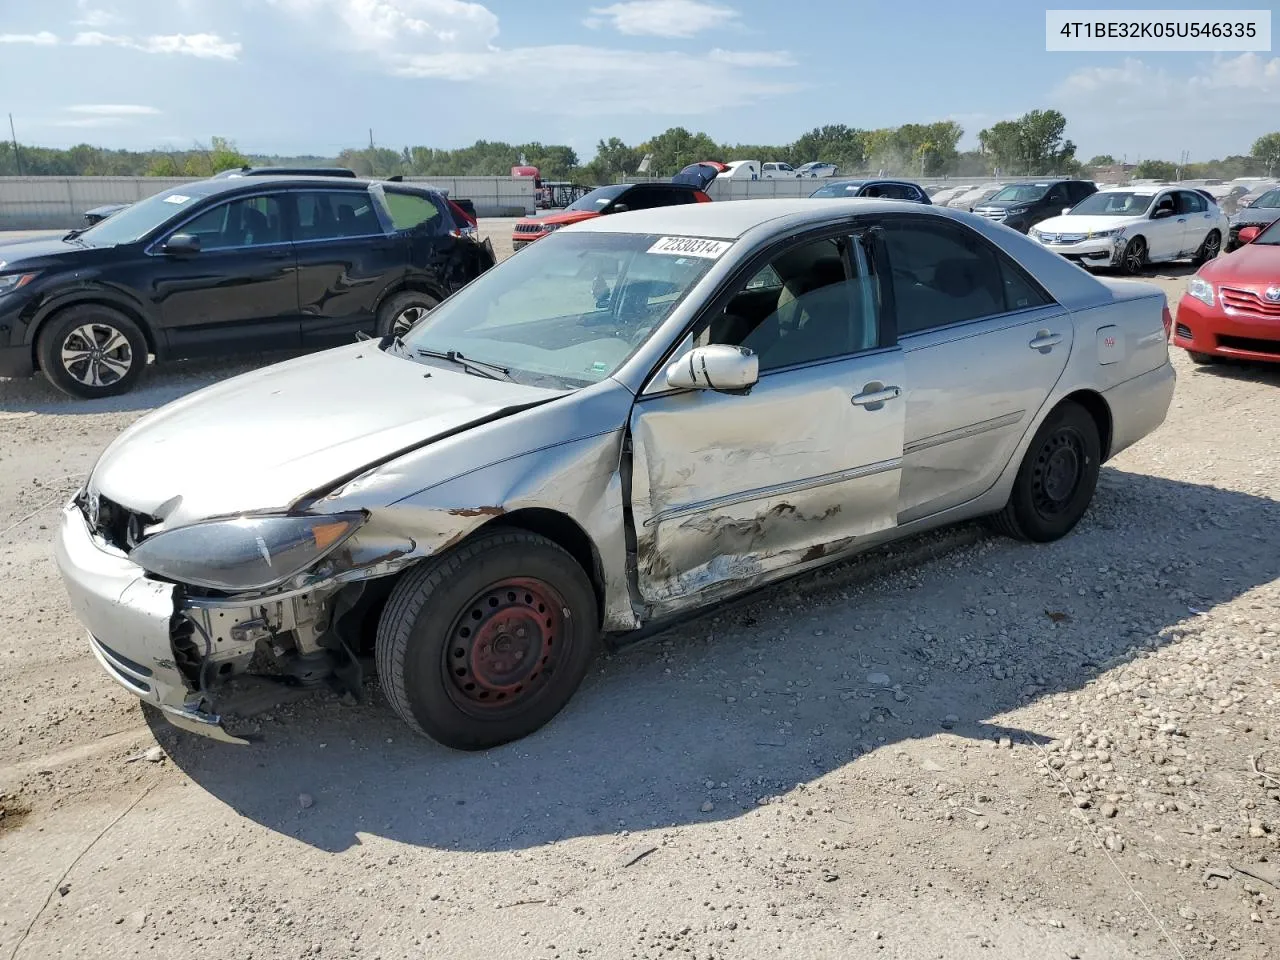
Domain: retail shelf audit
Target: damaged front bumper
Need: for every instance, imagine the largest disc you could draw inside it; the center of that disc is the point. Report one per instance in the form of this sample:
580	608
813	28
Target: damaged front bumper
130	619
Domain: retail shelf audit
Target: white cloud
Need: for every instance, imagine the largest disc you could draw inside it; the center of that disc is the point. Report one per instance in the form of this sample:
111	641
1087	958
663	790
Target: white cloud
114	109
42	39
208	46
95	17
662	18
456	40
753	58
1135	107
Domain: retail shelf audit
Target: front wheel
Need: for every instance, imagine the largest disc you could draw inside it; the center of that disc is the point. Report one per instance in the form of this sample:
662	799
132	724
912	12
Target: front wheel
1134	259
91	351
399	314
488	643
1056	479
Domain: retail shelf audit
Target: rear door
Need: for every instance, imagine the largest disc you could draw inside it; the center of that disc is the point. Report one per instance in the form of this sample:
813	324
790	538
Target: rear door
240	292
982	345
346	262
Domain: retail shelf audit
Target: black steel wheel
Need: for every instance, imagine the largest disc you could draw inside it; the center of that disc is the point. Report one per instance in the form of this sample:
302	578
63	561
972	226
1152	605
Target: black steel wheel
1056	479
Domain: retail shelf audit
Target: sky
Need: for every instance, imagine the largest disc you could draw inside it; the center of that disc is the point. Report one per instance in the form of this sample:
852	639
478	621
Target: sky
314	76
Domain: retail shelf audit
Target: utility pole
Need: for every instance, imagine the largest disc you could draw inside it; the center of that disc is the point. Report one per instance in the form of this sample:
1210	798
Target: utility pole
17	155
371	139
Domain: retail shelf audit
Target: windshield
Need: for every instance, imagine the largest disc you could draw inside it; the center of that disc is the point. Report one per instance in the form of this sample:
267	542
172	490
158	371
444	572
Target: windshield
569	310
845	188
1021	193
598	199
1269	237
1269	199
134	222
1113	203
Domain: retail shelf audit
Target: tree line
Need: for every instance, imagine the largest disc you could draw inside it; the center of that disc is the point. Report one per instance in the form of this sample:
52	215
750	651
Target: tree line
1034	144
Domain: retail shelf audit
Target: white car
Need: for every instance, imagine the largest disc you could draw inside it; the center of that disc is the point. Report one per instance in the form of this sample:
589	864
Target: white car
1130	227
979	194
816	168
776	170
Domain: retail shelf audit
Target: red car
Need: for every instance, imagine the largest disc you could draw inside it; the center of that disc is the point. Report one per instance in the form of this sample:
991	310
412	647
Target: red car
616	198
1232	305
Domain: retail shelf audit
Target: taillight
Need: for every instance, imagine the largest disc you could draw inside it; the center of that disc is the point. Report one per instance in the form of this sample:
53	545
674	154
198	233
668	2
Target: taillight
466	217
1168	321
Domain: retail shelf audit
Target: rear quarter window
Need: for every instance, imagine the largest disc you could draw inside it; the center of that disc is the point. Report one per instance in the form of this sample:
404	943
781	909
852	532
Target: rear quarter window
412	210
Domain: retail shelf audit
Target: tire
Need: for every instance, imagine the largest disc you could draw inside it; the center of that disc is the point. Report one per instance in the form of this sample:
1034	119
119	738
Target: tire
438	653
1209	248
91	351
1056	480
400	312
1134	259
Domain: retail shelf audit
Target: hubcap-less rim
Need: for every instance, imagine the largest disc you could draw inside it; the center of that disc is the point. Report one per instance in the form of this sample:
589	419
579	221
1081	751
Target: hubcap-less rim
1133	259
1211	244
407	318
1059	468
97	354
504	645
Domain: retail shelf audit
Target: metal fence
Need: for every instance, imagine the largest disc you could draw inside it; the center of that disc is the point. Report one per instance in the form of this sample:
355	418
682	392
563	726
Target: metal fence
54	203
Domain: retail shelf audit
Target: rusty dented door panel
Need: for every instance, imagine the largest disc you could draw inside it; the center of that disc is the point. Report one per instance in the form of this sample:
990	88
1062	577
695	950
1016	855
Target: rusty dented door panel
727	489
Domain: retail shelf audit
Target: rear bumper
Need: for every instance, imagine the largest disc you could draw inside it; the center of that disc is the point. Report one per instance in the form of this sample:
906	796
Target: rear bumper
1139	406
1209	330
129	618
16	361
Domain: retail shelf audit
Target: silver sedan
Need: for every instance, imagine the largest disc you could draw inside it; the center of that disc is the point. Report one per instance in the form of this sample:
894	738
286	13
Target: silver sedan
639	416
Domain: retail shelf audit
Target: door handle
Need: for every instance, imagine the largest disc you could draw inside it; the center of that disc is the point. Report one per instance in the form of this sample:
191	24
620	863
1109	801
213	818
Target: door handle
1045	340
1182	219
875	395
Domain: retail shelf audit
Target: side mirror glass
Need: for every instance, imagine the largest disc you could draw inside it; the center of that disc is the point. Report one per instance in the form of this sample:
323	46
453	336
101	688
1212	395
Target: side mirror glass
1162	213
619	208
717	366
181	245
1247	234
1065	211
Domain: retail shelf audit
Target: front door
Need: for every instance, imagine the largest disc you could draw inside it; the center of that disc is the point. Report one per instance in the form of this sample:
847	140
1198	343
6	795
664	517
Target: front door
982	345
346	261
729	489
1165	229
240	292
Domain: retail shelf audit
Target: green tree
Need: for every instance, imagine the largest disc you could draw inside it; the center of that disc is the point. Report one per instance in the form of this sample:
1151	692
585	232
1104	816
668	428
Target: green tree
1102	160
676	147
164	165
221	154
1032	144
836	143
1266	150
1155	170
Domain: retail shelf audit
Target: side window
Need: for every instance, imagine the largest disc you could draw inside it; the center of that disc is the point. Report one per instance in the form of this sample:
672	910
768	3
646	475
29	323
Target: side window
1080	190
1166	202
941	276
334	214
410	211
1058	196
1191	202
247	222
804	306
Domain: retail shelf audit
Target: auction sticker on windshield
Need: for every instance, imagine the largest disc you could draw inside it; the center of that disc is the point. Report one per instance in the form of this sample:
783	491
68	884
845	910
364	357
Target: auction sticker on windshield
176	198
690	247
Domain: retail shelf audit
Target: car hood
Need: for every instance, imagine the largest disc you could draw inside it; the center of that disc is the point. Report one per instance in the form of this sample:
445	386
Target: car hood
1254	263
1082	223
1243	216
262	440
31	253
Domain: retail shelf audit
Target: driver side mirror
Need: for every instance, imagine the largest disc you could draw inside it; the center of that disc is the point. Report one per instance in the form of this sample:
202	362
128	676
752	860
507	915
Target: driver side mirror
619	208
1247	234
717	366
1162	213
1065	211
181	245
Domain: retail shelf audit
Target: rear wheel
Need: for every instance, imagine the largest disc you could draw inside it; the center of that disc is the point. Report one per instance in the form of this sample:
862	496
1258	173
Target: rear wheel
488	643
1209	249
399	314
92	351
1056	479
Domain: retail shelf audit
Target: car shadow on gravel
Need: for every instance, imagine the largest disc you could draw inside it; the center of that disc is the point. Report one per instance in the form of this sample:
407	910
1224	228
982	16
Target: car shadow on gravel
1246	371
157	386
946	632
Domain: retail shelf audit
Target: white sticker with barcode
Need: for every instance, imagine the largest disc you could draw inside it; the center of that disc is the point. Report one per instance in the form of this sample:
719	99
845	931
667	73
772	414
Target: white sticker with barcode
691	247
176	198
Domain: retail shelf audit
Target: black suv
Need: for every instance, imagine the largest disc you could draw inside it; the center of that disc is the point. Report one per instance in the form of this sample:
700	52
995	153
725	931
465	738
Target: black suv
227	266
1023	205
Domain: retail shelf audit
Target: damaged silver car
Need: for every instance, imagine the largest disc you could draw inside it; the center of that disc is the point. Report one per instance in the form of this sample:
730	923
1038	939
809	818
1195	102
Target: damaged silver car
639	416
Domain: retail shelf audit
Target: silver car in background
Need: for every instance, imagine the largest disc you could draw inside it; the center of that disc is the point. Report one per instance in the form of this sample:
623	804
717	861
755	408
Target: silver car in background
639	416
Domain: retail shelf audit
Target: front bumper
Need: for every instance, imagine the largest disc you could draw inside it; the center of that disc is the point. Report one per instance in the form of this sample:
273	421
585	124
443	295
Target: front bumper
1095	252
1211	330
16	361
130	620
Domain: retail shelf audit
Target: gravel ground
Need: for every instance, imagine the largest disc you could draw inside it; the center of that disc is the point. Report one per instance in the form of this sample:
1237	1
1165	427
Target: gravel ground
957	747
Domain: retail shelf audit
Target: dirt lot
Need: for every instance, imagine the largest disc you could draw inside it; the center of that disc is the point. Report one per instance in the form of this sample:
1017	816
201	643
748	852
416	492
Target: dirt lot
960	747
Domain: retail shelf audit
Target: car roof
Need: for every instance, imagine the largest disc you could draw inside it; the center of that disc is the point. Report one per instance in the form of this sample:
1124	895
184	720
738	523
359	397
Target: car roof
215	187
731	219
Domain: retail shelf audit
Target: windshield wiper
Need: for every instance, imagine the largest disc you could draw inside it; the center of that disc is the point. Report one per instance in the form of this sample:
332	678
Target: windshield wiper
480	367
73	234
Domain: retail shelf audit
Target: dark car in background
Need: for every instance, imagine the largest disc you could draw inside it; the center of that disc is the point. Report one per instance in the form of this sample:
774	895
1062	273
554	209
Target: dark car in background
1023	205
1261	212
226	266
874	188
602	201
